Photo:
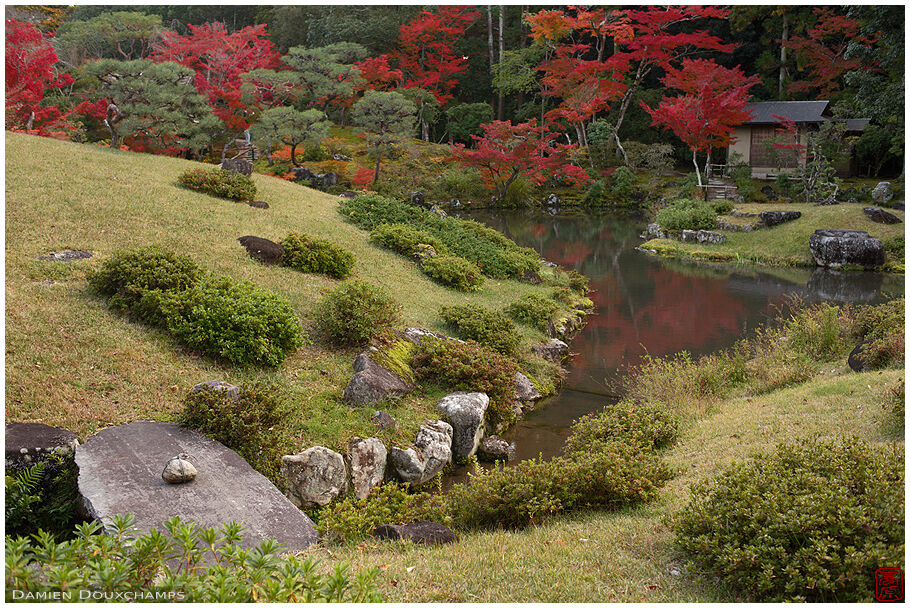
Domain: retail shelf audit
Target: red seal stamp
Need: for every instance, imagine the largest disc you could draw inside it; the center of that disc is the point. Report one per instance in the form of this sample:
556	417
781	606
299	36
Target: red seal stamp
889	585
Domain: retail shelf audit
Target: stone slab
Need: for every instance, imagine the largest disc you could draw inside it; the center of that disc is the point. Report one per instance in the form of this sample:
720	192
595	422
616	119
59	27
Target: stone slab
30	442
120	472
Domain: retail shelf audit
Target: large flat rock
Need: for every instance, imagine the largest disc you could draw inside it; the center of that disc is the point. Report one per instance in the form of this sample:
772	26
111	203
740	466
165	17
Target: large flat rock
120	472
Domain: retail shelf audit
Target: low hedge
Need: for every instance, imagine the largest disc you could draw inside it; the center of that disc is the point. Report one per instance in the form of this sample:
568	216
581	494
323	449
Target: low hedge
453	271
688	214
533	310
488	327
404	238
236	322
355	312
309	254
224	184
810	521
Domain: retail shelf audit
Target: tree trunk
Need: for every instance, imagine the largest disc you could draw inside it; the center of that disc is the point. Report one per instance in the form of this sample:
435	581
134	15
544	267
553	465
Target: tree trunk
378	158
501	102
504	188
783	58
294	155
490	36
697	170
114	116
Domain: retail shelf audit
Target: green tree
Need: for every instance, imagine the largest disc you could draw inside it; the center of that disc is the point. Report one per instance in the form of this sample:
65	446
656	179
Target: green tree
427	109
119	35
387	116
153	104
467	119
327	74
291	127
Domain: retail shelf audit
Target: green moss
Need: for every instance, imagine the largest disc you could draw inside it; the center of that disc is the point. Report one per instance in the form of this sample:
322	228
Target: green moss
397	358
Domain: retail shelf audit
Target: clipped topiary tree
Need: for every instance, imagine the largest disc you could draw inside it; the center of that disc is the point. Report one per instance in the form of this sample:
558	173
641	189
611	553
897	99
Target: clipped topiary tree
387	116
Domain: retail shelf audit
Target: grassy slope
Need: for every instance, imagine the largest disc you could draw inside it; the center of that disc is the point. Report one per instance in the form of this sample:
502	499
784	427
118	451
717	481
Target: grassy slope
629	556
71	362
787	244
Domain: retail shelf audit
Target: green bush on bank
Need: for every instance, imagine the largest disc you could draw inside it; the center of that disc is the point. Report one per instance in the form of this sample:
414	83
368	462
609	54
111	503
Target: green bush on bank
251	425
646	424
818	517
233	321
688	214
533	310
236	322
192	564
404	238
355	312
224	184
488	327
454	271
496	255
309	254
468	366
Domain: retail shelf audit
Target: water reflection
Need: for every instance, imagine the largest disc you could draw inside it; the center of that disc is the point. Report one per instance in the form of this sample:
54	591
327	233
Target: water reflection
651	305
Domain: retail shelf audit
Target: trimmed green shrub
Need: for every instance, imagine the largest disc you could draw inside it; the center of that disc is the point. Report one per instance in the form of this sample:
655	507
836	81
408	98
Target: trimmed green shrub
308	254
687	214
596	193
496	255
622	184
251	425
811	521
610	474
355	312
224	184
895	403
469	366
128	277
646	424
454	271
817	331
533	310
404	238
883	325
236	322
187	563
488	327
354	519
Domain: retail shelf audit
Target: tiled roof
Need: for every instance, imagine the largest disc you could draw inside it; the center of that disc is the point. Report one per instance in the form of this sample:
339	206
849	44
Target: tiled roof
797	111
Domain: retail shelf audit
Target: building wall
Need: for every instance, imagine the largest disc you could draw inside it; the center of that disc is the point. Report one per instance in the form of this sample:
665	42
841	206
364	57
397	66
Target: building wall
740	145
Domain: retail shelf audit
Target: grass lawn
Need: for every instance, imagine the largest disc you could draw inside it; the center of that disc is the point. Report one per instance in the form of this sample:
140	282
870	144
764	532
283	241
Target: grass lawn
787	244
71	362
628	556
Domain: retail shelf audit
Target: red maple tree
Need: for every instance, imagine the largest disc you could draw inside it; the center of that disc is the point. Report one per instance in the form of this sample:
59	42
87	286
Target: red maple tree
426	50
712	103
823	52
219	58
30	61
506	151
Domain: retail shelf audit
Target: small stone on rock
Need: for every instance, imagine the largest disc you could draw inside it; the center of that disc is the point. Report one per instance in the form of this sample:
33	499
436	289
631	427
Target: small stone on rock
179	470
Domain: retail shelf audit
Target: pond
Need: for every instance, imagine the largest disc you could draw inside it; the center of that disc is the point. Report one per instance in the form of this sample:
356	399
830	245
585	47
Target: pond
646	304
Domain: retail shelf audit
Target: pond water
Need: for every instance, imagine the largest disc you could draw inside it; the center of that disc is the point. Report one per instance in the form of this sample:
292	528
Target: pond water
646	304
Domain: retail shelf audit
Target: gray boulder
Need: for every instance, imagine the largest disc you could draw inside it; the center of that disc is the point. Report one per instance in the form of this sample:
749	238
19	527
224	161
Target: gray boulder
769	192
258	204
525	389
67	255
264	250
836	248
218	385
237	165
880	216
465	412
415	335
419	532
423	253
775	218
856	360
899	205
555	350
552	200
882	193
688	236
495	448
315	476
372	383
417	198
28	443
656	231
120	472
432	451
348	194
366	462
530	276
708	236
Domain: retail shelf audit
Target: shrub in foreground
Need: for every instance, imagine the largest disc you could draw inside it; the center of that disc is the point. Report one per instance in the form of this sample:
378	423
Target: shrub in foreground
308	254
646	424
454	271
811	521
533	310
488	327
251	425
224	184
354	313
883	326
468	367
128	277
186	563
237	322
